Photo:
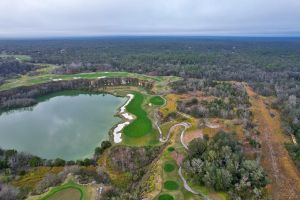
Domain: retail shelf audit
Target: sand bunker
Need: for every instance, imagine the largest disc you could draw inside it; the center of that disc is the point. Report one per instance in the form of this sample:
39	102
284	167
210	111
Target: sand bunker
117	133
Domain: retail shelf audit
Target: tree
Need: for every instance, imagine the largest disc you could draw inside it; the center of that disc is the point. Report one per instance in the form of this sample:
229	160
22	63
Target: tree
197	146
59	162
219	163
8	192
35	161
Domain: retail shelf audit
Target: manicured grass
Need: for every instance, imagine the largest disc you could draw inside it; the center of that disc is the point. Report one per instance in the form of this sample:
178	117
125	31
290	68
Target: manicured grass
69	193
169	167
171	149
165	197
157	101
18	57
142	125
47	76
70	185
171	185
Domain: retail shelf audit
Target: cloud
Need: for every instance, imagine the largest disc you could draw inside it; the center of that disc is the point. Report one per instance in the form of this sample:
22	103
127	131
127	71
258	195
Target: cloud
36	18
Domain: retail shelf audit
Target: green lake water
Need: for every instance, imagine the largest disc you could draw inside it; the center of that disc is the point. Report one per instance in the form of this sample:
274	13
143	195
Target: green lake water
66	125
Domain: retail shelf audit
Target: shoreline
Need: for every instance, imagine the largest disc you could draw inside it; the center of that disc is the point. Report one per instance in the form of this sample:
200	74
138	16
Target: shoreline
117	131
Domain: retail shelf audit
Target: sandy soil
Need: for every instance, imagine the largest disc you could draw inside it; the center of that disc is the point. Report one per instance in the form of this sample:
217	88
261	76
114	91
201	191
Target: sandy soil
189	136
178	157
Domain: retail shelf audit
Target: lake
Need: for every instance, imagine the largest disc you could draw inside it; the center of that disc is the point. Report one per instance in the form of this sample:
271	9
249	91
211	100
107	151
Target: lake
67	125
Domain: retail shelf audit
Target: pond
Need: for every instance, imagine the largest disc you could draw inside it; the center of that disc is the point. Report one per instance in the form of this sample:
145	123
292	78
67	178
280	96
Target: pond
67	125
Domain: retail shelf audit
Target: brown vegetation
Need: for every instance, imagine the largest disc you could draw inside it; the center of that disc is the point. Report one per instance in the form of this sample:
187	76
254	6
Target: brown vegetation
285	177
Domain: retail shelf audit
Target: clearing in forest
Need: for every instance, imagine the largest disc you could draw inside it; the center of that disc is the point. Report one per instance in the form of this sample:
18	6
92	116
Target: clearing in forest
285	177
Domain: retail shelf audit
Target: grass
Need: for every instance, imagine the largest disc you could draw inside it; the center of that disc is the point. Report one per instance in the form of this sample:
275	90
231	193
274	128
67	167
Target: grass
271	126
157	101
69	185
171	185
171	104
171	149
22	58
46	76
169	167
165	197
142	125
68	193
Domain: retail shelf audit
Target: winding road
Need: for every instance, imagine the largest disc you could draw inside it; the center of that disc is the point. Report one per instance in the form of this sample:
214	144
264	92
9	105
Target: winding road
186	125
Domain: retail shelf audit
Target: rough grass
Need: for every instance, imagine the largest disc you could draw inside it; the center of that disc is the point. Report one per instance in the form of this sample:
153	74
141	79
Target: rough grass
171	104
272	141
171	185
36	175
165	197
142	125
157	101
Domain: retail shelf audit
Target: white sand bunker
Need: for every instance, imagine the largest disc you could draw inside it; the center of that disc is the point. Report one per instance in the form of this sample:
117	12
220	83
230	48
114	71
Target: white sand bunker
56	79
128	117
118	133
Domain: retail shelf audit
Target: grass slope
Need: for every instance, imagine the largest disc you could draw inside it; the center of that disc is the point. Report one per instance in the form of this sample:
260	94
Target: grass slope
171	185
142	125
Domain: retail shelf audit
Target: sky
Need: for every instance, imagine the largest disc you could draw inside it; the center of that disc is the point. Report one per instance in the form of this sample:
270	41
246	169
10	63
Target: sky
56	18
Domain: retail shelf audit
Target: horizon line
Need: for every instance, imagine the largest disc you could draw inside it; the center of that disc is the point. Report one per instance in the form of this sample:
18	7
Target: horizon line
150	36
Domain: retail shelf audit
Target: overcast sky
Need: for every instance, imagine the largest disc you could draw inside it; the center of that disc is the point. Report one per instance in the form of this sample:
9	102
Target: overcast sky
43	18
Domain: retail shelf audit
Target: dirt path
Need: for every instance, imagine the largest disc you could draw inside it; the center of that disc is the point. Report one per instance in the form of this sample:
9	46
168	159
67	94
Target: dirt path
186	126
161	139
186	186
285	177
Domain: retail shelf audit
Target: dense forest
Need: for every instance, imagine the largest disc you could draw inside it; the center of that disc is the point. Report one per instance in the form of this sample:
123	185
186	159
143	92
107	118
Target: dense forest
10	68
270	65
219	163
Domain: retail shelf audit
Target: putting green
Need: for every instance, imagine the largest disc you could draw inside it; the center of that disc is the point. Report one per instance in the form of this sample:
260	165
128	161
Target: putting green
63	188
142	125
169	167
69	193
171	185
157	100
171	149
165	197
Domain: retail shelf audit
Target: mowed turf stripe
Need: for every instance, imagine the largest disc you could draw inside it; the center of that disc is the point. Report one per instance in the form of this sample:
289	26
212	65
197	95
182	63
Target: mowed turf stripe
142	125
